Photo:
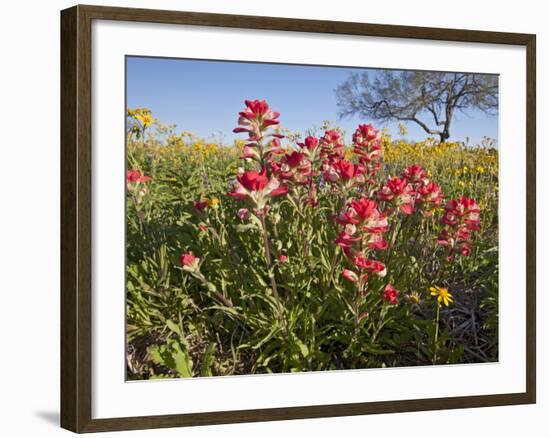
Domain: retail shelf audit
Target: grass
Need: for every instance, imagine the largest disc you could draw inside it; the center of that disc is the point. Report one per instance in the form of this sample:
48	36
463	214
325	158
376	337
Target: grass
178	326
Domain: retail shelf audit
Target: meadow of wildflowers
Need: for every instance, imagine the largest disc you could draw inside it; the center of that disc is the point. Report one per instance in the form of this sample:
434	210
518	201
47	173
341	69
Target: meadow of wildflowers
278	254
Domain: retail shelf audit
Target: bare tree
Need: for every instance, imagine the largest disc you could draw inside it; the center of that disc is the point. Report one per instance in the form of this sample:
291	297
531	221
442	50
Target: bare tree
413	96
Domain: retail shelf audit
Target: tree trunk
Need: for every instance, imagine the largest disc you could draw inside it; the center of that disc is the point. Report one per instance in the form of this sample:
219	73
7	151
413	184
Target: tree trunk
443	136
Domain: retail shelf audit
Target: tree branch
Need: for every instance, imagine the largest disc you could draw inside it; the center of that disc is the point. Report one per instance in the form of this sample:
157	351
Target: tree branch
424	126
434	114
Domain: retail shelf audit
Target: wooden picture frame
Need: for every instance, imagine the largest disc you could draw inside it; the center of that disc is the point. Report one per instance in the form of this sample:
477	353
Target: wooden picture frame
76	217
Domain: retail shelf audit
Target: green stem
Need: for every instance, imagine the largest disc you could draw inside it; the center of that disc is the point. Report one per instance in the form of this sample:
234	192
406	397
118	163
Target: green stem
305	249
308	216
212	288
269	263
332	268
140	214
434	359
356	309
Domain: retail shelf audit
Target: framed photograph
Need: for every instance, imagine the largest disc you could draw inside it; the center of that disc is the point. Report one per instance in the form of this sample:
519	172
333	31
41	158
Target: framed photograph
269	218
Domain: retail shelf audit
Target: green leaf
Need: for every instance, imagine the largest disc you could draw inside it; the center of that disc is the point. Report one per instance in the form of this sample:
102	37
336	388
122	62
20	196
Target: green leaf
303	348
241	228
208	360
174	327
156	354
182	361
174	356
381	351
272	333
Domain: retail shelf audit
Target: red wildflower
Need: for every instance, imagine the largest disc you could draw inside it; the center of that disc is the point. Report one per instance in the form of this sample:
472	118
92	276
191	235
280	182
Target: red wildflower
462	233
310	143
376	241
461	218
243	213
201	205
443	238
257	187
275	146
400	192
449	218
465	250
253	181
132	175
362	215
135	176
373	266
365	134
251	152
414	173
430	193
331	147
364	211
345	240
348	170
376	267
294	159
189	261
391	294
331	137
360	261
367	144
293	166
350	276
278	191
256	119
258	111
363	207
464	210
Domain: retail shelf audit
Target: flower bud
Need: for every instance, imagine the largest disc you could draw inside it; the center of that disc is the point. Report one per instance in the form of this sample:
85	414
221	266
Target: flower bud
190	262
276	218
243	214
350	276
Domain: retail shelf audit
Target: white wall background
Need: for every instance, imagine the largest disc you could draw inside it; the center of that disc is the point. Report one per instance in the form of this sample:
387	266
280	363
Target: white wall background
29	216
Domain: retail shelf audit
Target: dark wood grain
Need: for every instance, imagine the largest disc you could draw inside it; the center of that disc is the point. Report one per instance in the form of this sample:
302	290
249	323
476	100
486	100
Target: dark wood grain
299	25
296	413
531	220
69	311
76	222
76	234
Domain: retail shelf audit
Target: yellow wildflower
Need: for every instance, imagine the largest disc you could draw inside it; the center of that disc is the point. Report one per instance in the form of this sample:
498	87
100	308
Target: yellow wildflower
442	294
414	297
145	119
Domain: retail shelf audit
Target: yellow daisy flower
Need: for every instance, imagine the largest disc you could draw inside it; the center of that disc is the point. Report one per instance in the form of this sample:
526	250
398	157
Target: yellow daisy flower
442	294
414	297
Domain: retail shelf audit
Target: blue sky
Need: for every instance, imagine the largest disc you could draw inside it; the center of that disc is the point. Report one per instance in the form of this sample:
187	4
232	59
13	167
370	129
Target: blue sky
204	97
